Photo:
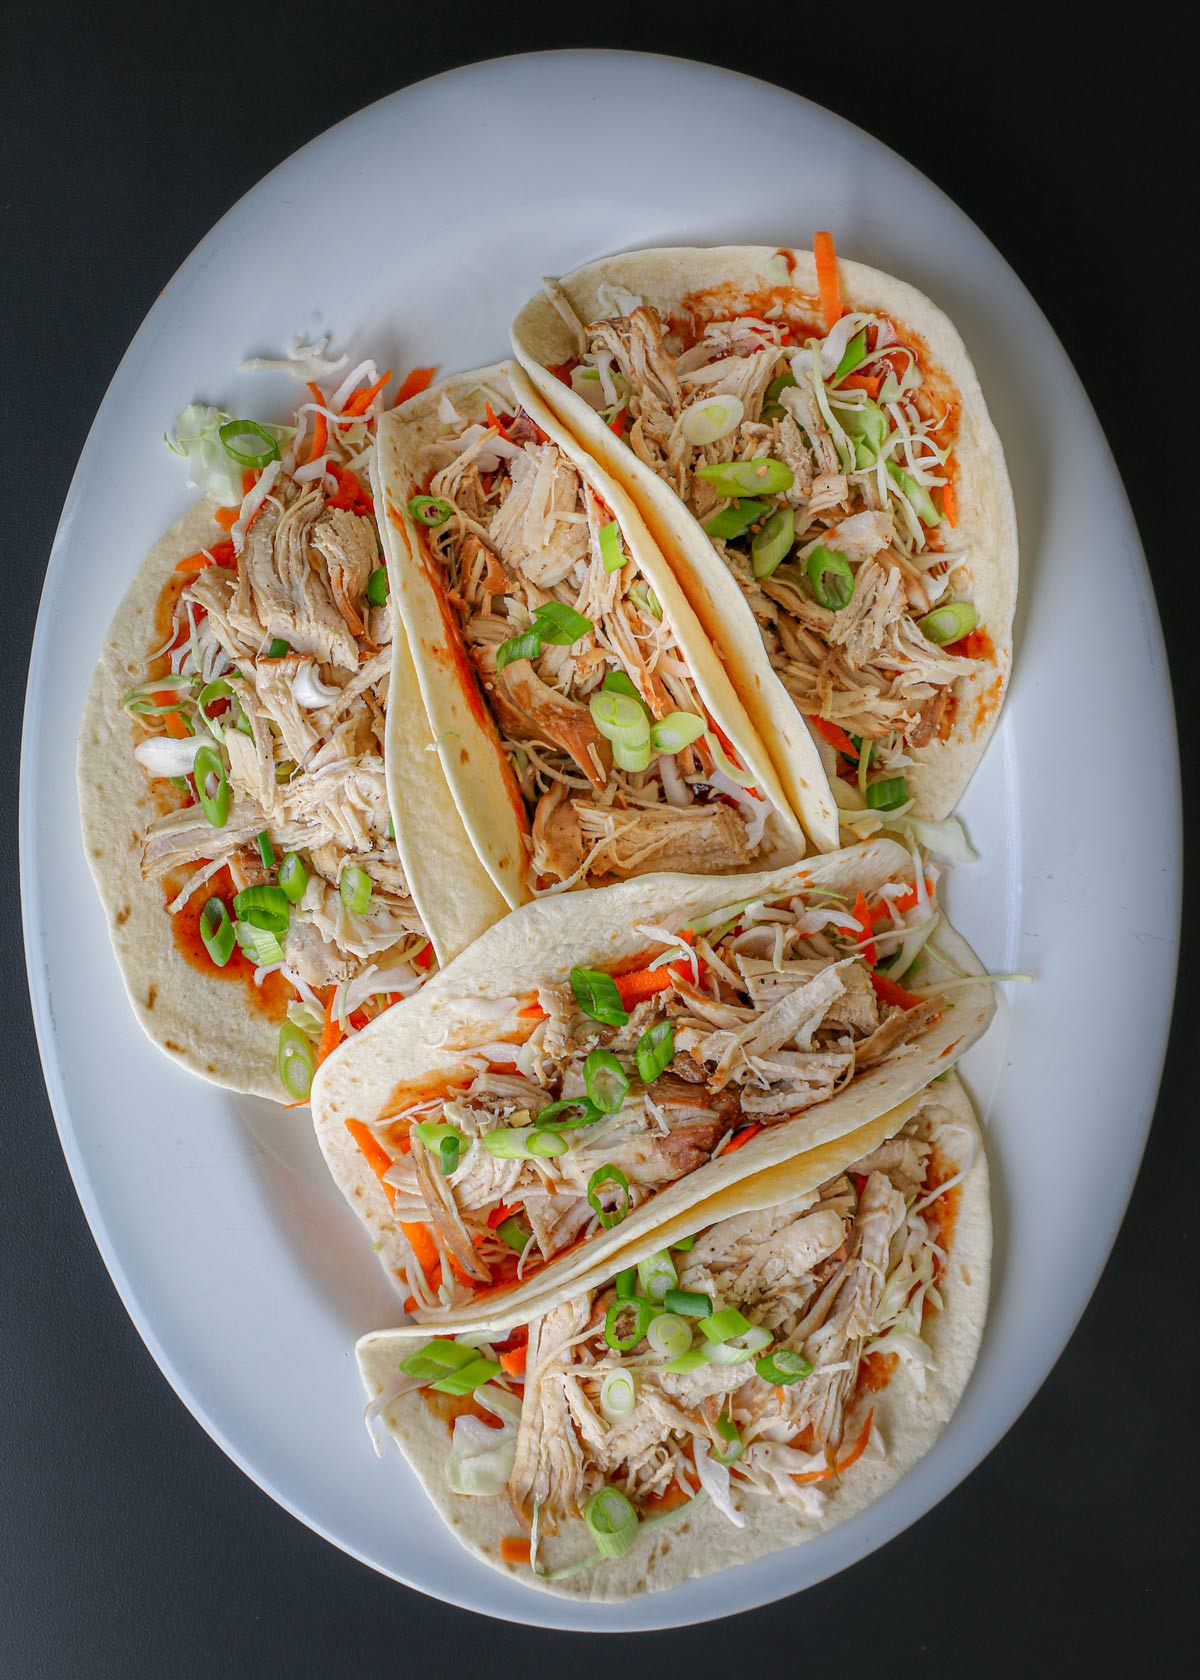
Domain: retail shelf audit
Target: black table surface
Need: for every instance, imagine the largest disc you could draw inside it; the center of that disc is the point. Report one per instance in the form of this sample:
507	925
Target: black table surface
129	1546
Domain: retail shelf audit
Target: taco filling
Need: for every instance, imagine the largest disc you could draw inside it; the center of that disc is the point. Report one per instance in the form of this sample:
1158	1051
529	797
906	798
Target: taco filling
819	459
744	1364
613	758
260	721
611	1086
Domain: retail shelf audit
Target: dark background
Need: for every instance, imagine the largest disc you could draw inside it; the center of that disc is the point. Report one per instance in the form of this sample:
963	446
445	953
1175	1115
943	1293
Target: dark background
129	1546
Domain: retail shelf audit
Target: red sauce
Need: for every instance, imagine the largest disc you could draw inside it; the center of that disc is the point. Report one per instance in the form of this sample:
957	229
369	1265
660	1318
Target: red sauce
943	1213
798	310
440	1082
272	997
451	1406
977	645
874	1373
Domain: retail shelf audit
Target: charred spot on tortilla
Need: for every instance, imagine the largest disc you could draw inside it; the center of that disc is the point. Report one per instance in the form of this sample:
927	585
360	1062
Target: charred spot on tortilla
123	915
151	997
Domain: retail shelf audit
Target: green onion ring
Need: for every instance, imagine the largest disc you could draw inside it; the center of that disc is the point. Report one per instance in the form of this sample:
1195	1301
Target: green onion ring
293	877
783	1367
611	1521
655	1051
770	546
430	510
608	1174
606	1080
612	555
377	586
831	578
216	930
208	762
233	429
596	994
948	623
354	884
642	1312
297	1061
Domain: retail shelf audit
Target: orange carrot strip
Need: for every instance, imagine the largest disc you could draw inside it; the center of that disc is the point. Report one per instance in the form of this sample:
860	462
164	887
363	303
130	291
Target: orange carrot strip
852	1457
333	1034
413	384
907	901
220	554
376	1156
890	991
515	1548
227	518
321	429
494	419
836	737
172	721
617	423
642	983
862	915
514	1361
533	1012
827	279
868	382
744	1136
362	400
421	1243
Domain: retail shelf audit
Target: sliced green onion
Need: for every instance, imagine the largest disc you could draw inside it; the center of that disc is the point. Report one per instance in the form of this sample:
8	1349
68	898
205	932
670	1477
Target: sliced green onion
377	586
515	1232
642	1311
852	355
265	850
434	1133
216	930
293	877
619	717
206	764
278	648
831	578
645	600
261	945
618	1396
676	731
467	1378
739	1349
728	1322
354	884
887	795
606	1080
711	419
770	546
657	1273
218	690
509	1143
608	1174
669	1335
733	521
544	1144
555	622
949	622
626	1284
689	1302
685	1244
783	1367
232	430
526	646
764	476
430	510
917	494
435	1358
730	1434
549	1116
612	555
448	1153
779	385
692	1360
633	759
297	1061
617	682
654	1052
265	907
611	1521
597	995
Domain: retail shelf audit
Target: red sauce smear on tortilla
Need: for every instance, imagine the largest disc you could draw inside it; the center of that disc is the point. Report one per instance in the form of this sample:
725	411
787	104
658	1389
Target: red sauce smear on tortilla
977	645
269	999
875	1373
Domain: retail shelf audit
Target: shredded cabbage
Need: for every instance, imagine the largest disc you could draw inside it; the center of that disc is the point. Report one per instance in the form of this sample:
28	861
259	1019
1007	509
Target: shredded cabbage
197	438
714	1479
481	1459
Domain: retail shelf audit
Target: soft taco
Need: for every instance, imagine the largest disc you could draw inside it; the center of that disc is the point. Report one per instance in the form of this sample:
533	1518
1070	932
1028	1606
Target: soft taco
584	724
232	777
747	1379
808	442
602	1061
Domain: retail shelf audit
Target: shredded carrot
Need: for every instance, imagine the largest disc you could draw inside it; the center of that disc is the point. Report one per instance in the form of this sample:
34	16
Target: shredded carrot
249	480
890	991
172	721
617	423
862	915
220	554
424	956
514	1361
642	983
333	1033
670	1499
422	1245
500	1213
376	1156
907	900
836	737
227	518
827	279
868	382
852	1457
494	419
413	384
744	1136
533	1012
321	429
362	400
515	1548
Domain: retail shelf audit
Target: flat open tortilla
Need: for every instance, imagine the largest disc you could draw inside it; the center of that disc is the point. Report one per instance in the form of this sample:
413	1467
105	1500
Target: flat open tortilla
440	677
476	1000
202	1017
699	283
702	1541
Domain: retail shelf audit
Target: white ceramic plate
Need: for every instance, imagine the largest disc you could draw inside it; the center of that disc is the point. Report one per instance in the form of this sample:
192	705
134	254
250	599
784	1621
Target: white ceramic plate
244	1273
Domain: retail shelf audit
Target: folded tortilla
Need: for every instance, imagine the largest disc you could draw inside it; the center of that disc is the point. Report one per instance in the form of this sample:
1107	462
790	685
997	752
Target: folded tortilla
694	291
801	1055
851	1259
514	528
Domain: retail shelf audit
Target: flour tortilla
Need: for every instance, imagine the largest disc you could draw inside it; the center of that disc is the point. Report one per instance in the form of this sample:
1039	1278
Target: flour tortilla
701	1542
476	1000
202	1019
669	279
440	675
